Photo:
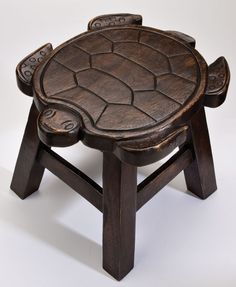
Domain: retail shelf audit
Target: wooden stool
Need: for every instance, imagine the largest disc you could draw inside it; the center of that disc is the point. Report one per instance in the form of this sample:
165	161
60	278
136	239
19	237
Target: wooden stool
133	92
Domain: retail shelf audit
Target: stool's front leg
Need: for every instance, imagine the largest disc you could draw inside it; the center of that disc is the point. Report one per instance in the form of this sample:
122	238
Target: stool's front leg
119	212
28	172
200	175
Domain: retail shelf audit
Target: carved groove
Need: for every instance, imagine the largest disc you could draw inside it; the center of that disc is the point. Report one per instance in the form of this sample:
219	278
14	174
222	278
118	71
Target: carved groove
86	89
64	66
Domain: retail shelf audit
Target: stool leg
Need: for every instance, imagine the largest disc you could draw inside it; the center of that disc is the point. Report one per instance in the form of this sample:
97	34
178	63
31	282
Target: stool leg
119	213
28	172
200	175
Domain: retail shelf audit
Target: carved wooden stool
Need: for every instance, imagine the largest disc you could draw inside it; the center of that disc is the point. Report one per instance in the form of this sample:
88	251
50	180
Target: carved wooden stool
133	92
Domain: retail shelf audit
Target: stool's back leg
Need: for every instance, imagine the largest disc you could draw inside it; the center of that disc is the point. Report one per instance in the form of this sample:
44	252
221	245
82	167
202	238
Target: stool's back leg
200	175
119	212
28	172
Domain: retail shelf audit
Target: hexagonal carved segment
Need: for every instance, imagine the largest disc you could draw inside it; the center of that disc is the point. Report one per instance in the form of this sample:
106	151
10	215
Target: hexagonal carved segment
123	117
83	99
176	88
184	66
105	86
94	44
58	127
155	104
166	45
57	79
75	60
151	59
127	35
127	71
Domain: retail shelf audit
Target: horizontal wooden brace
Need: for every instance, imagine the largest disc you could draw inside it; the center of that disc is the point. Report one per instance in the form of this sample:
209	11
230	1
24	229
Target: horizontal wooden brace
72	176
91	191
162	176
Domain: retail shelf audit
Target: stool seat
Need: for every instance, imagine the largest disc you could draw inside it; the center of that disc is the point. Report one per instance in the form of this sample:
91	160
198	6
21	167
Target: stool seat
120	83
133	92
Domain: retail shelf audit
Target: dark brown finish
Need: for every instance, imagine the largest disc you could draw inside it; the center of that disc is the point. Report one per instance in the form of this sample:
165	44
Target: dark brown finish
58	127
25	69
133	92
90	76
72	176
200	174
186	38
114	20
119	210
218	83
138	153
28	172
162	176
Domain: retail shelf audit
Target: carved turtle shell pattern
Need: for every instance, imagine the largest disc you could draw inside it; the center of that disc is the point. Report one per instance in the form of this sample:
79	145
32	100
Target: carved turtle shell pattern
122	81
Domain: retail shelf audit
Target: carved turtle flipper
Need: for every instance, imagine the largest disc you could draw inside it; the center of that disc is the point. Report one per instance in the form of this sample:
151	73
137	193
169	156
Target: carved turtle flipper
218	83
58	127
114	20
186	38
25	69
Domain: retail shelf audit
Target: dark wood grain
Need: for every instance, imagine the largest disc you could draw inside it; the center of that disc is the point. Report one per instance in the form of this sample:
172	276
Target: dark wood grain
119	210
28	172
200	174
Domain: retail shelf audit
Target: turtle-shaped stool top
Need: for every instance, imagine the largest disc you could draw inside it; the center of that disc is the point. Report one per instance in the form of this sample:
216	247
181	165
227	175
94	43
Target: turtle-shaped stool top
133	92
121	86
122	83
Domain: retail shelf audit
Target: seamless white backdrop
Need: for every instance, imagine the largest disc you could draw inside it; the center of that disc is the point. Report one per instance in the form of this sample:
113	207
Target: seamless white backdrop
53	238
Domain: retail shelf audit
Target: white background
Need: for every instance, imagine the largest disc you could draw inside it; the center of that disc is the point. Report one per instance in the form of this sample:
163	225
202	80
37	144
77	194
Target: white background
53	238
